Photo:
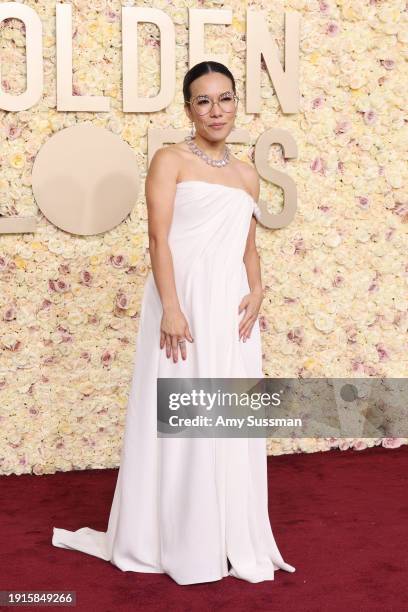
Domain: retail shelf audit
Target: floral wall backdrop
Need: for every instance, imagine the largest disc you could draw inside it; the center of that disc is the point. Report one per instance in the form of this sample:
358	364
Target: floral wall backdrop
336	277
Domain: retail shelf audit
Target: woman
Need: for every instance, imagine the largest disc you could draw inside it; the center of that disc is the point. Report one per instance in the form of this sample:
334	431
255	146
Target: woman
194	507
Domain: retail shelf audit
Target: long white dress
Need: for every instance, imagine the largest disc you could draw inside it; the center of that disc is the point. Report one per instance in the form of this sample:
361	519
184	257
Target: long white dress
183	505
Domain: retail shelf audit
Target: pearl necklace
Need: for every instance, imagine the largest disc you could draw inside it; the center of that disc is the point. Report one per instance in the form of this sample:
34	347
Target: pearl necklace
213	162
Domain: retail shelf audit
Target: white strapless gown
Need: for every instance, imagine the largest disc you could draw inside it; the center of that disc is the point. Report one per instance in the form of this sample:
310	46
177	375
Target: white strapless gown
183	505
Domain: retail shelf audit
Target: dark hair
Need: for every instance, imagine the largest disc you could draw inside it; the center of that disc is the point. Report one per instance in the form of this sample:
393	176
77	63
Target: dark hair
204	68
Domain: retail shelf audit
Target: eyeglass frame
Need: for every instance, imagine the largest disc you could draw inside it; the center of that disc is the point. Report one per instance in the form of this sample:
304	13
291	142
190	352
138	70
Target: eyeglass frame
236	98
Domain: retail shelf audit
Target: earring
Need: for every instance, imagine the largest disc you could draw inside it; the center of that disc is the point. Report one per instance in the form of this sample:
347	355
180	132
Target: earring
192	131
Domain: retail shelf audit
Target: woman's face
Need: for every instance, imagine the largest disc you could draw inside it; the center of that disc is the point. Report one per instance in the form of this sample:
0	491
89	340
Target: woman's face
212	86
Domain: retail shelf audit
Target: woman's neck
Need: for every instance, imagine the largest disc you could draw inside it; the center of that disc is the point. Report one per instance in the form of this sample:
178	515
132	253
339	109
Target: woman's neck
216	149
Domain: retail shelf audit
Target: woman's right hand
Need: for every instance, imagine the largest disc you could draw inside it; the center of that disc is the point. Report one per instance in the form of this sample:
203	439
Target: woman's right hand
174	328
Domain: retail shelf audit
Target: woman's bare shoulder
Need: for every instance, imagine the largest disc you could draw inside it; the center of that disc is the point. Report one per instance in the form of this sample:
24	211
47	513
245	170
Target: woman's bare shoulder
166	159
168	154
164	167
250	178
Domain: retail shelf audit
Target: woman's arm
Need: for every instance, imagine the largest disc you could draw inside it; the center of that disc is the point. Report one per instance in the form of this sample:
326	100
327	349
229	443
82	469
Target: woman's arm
160	190
252	261
251	302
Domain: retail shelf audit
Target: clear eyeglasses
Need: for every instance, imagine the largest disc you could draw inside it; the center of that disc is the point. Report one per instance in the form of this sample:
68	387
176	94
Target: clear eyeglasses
203	104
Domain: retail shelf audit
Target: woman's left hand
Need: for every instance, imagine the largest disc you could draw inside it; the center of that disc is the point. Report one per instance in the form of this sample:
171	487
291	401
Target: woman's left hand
251	303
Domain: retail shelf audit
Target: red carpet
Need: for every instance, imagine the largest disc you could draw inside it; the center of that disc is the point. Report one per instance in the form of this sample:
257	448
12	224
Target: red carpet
339	517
